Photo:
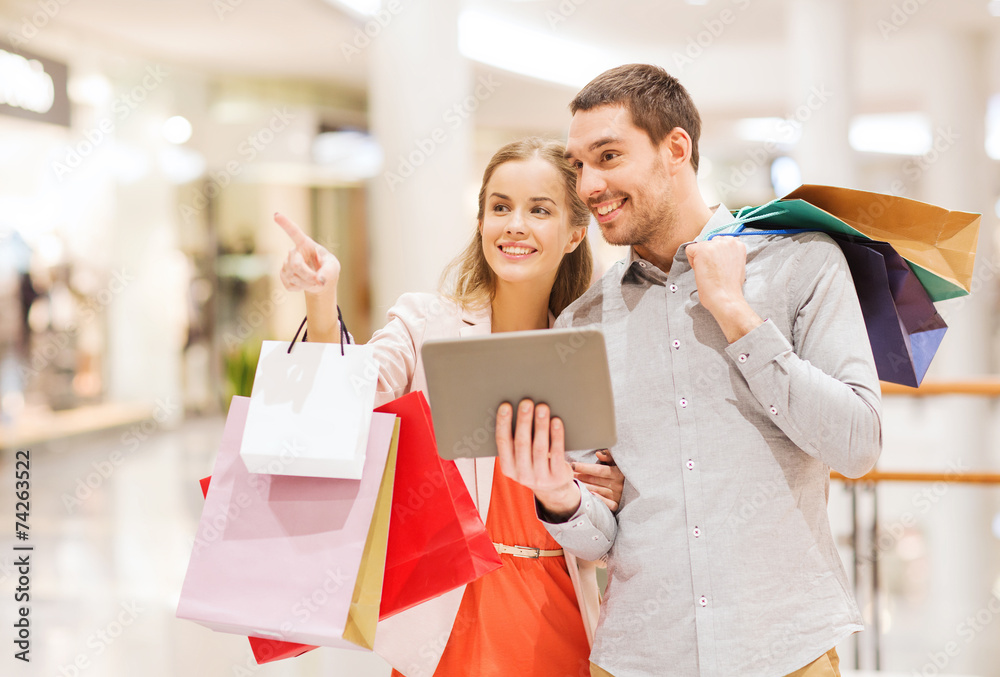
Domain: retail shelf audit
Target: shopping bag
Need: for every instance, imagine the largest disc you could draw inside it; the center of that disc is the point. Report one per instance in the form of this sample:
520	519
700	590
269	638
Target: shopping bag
266	650
938	244
310	410
437	540
295	559
904	328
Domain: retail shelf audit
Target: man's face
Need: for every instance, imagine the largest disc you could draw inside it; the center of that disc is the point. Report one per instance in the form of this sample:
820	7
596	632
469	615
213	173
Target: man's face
621	176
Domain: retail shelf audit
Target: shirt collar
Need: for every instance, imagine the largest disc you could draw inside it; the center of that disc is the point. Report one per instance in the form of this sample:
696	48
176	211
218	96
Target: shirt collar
721	221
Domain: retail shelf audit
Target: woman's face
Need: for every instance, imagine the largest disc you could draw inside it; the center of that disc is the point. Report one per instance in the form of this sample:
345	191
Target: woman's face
525	226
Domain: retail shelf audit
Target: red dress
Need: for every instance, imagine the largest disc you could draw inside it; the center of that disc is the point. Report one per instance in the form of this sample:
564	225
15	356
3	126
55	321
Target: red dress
523	618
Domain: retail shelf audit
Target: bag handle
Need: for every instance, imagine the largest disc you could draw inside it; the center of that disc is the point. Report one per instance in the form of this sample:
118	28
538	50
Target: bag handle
344	334
743	217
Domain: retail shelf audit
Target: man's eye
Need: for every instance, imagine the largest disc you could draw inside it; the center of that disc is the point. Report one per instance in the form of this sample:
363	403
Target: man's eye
609	156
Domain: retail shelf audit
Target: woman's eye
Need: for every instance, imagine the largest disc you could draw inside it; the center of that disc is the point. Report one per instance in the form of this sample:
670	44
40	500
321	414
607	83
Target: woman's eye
500	208
540	210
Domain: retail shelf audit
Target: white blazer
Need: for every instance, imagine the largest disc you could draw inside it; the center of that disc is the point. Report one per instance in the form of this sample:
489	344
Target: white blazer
413	641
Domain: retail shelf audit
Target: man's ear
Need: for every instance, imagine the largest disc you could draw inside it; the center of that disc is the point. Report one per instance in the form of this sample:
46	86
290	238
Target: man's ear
676	149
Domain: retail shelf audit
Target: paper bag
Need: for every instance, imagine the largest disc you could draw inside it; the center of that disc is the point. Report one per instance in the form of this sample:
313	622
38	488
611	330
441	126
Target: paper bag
296	559
310	410
437	540
939	245
904	328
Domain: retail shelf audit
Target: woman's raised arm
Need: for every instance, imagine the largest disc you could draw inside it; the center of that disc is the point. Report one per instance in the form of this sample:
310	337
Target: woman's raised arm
311	269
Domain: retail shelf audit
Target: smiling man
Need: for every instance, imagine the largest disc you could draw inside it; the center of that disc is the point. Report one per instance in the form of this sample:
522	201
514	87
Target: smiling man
742	374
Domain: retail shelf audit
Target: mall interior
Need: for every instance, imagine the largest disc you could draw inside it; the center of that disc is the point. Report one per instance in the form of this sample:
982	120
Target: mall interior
145	146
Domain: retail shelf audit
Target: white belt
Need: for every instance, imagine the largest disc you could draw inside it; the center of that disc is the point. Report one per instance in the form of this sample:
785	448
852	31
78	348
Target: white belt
525	551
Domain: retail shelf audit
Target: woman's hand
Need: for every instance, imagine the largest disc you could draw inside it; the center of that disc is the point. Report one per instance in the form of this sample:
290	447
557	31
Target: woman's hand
532	455
309	267
603	479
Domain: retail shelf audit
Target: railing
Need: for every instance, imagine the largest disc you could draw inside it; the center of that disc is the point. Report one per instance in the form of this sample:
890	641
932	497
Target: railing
869	482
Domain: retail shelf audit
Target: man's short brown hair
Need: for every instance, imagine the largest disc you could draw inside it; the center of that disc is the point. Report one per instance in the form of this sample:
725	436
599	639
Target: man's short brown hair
656	100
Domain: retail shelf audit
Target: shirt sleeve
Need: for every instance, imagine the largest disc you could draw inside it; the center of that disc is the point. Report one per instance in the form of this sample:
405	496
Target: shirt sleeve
396	345
821	389
589	533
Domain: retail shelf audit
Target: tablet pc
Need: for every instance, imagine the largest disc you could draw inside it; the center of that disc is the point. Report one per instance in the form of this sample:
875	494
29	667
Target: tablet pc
468	379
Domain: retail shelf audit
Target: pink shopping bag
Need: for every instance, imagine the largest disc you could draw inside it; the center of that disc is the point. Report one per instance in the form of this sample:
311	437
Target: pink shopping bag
278	556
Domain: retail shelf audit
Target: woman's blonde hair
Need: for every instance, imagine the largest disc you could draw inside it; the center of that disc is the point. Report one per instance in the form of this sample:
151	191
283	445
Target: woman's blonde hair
470	281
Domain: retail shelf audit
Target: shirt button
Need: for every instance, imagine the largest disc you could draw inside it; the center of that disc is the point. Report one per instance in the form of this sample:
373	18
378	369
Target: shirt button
683	403
774	411
673	287
743	357
703	601
596	537
677	344
696	532
690	464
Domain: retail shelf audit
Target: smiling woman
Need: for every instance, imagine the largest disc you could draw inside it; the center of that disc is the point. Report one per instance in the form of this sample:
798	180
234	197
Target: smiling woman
528	259
533	174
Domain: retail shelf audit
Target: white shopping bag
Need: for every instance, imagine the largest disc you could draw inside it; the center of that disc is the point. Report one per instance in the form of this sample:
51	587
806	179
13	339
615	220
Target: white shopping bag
310	410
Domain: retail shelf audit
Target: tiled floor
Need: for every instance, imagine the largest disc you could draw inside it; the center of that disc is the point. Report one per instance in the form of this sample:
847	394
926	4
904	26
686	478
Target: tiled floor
113	518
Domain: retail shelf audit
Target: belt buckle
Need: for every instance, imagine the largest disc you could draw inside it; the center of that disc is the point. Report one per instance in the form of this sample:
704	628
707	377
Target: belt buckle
528	552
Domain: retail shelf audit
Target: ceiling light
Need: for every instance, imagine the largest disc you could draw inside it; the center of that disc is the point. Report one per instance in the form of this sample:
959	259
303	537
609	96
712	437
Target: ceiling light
350	153
993	127
774	130
177	129
895	133
512	47
786	175
91	90
362	7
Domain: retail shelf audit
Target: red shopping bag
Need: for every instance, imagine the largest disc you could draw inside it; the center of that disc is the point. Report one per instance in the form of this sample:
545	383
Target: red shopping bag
437	540
266	650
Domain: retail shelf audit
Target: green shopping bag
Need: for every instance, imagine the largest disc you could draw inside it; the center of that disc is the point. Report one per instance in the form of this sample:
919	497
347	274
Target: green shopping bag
939	245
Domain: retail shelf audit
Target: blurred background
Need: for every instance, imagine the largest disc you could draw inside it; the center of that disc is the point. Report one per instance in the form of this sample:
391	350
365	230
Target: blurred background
146	144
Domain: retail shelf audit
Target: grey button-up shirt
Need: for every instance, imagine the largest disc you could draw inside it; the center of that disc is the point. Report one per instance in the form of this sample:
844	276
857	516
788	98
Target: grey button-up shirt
721	561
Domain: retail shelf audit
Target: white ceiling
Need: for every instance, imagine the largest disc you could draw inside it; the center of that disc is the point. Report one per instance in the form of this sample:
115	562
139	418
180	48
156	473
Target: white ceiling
302	39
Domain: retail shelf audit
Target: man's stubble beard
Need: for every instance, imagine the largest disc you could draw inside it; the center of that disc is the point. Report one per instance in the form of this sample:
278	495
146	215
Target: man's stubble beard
652	222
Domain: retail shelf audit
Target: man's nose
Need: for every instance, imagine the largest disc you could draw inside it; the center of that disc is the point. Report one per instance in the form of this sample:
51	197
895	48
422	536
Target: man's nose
589	183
